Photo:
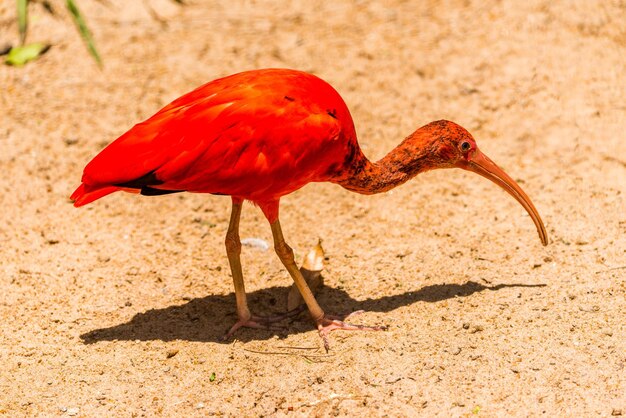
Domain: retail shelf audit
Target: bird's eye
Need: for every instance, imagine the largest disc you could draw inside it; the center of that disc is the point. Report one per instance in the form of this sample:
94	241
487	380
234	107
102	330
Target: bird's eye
465	146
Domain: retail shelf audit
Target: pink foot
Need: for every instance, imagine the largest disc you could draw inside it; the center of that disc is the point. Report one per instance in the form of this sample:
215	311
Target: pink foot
261	322
330	323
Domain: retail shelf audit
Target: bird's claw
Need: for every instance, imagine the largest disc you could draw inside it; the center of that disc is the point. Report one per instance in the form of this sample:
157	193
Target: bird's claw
329	323
260	322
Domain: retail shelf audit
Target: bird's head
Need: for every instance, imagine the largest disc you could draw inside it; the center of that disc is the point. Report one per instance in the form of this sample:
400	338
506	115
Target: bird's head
450	146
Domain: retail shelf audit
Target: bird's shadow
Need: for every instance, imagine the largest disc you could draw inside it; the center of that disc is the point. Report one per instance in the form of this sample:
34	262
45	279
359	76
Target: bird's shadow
208	318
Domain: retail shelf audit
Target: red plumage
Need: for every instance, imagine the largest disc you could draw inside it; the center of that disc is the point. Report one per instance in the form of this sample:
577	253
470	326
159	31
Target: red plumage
256	135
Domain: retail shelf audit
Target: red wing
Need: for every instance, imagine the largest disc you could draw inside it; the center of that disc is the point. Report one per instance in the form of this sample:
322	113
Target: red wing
257	151
220	136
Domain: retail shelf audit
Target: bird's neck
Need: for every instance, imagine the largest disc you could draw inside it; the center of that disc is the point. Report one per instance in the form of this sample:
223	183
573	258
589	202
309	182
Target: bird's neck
404	162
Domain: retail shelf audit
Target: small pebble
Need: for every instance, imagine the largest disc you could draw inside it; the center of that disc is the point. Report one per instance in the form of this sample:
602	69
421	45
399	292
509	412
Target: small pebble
171	353
200	405
616	412
476	329
73	411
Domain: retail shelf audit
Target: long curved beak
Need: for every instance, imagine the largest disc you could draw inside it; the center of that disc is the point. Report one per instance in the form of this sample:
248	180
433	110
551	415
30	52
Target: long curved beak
479	163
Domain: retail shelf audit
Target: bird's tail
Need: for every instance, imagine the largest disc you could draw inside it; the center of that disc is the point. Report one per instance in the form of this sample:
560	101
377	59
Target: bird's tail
85	194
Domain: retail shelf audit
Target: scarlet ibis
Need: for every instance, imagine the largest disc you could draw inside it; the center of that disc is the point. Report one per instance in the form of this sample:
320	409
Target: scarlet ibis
259	135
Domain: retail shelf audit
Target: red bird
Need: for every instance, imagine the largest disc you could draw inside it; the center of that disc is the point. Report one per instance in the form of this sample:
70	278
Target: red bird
259	135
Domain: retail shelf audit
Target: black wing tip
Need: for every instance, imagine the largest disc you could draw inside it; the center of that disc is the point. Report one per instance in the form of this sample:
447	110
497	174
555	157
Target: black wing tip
149	179
150	191
145	183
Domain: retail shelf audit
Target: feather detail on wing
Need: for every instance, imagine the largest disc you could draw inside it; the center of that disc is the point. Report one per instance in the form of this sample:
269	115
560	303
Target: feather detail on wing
241	135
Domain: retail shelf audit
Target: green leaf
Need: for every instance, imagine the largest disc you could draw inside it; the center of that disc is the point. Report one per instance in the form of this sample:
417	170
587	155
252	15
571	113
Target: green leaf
22	18
212	377
20	55
83	29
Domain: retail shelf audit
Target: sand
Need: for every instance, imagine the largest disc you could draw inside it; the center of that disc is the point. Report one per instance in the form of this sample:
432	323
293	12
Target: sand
118	308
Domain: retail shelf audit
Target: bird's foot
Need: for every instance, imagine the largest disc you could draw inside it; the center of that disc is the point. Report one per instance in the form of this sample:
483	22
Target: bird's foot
261	322
329	323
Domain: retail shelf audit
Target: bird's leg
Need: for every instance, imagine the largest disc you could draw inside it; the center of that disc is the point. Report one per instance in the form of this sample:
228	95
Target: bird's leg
233	250
325	323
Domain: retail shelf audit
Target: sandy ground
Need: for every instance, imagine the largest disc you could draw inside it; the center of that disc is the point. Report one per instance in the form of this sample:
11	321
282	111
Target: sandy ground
117	309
